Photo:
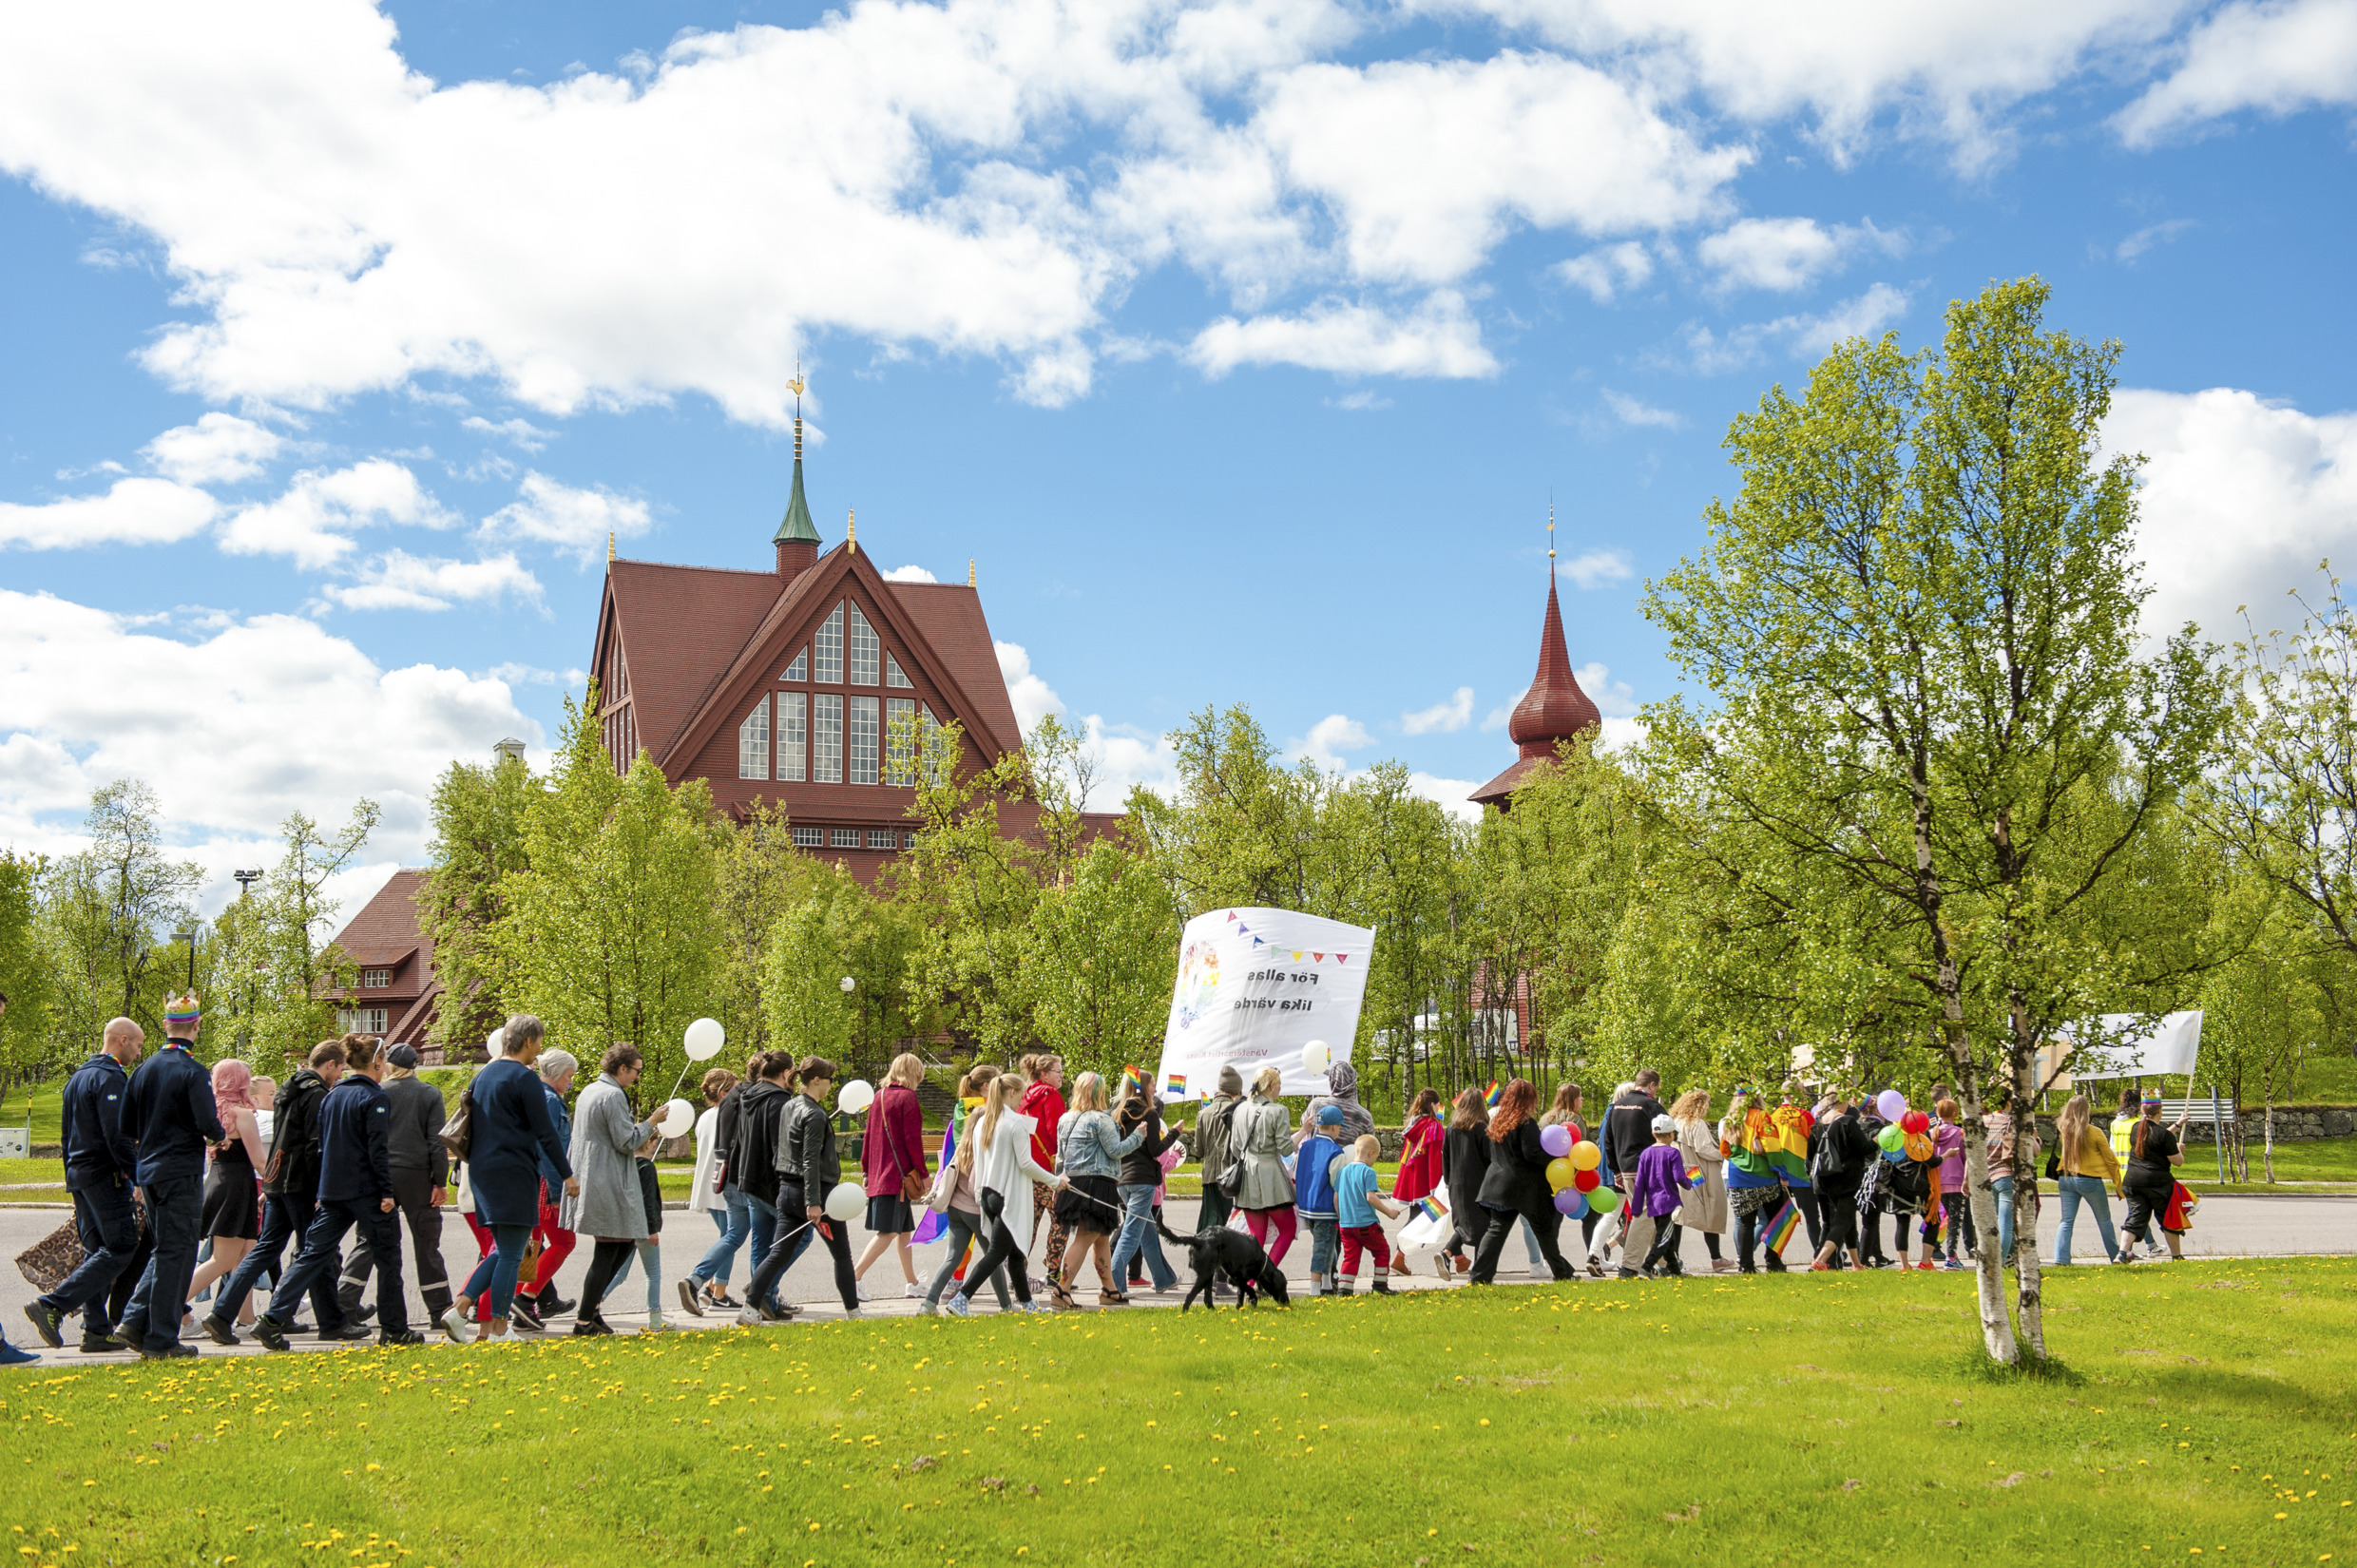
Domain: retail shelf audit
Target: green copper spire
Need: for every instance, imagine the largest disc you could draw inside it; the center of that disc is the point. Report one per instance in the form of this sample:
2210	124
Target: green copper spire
796	525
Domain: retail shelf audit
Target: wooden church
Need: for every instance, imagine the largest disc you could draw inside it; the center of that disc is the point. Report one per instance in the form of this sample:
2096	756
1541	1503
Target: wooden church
789	685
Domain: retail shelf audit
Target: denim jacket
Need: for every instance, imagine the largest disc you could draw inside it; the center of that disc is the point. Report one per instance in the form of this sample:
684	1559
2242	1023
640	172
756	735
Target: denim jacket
1088	1145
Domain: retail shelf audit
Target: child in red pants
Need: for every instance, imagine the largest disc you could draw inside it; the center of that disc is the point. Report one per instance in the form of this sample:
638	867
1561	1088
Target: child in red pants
1356	1199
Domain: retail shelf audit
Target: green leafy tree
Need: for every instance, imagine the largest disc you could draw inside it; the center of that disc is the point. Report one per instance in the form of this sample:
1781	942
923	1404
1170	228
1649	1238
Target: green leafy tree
28	1049
285	936
106	913
1917	620
478	842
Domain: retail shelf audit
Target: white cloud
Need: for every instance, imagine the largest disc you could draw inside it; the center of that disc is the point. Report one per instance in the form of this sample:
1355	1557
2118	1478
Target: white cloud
1636	411
910	574
2278	58
1612	699
1034	699
2241	499
525	674
399	580
1427	164
1608	271
574	522
1362	401
2149	236
1448	793
526	435
133	512
1594	569
1328	738
1945	66
1802	336
219	449
1439	339
235	725
1442	718
314	520
1784	254
1498	718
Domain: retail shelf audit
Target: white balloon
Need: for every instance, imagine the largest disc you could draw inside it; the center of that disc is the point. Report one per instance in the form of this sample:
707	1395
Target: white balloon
677	1118
845	1200
854	1096
704	1039
1316	1056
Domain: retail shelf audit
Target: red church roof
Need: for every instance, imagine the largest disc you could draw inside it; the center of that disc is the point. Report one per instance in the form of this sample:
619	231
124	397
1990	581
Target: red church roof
1553	711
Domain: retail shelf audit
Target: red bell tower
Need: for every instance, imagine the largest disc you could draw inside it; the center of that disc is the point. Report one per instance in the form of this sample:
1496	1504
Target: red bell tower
1553	711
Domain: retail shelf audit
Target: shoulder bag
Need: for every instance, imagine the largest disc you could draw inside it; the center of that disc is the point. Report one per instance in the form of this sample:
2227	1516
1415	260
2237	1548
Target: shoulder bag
457	1133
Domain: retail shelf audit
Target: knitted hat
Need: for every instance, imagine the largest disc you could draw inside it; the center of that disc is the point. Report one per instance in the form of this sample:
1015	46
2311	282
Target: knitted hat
180	1011
402	1056
1231	1082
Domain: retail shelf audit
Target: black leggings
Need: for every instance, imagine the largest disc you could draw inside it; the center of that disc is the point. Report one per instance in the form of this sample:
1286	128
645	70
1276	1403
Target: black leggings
605	1261
1003	1251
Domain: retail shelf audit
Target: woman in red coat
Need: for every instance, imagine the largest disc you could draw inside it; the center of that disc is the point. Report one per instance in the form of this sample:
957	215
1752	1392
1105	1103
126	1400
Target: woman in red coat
894	1151
1043	1101
1420	1158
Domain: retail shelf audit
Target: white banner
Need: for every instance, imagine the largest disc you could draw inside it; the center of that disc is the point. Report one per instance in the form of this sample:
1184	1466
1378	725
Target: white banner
2169	1046
1254	988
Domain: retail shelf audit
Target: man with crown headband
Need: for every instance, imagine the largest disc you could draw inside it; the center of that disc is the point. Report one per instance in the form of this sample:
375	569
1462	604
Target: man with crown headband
171	1116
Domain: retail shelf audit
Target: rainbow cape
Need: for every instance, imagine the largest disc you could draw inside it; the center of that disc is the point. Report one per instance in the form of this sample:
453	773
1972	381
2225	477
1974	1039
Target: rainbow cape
1772	1143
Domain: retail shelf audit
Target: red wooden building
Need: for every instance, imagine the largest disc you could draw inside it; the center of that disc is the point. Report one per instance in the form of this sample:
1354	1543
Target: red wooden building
786	684
397	995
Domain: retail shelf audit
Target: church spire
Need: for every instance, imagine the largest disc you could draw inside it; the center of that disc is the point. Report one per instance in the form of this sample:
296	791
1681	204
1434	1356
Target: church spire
796	537
1554	710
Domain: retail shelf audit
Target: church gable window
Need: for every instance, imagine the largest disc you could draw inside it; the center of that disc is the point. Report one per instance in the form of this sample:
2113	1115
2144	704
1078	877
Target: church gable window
753	742
892	676
827	738
864	647
827	648
799	669
900	737
863	739
792	736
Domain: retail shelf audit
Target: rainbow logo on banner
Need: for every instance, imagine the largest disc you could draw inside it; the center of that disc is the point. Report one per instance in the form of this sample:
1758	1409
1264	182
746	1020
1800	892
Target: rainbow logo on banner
1781	1224
1176	1087
1495	1095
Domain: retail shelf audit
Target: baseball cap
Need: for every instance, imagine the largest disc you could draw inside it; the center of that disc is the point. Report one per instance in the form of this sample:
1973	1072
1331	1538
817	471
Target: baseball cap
402	1056
1663	1124
1330	1115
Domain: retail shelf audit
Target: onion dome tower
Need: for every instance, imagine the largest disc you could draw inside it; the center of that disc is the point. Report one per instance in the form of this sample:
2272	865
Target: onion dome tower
1553	711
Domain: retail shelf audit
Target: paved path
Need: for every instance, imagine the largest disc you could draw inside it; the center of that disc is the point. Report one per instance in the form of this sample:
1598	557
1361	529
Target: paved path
2227	1227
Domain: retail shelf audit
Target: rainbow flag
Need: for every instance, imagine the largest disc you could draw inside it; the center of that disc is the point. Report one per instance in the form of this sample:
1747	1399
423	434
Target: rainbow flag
1495	1095
1176	1087
1781	1224
1133	1080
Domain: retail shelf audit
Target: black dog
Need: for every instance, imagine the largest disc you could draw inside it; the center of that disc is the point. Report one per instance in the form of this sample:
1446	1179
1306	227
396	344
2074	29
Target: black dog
1221	1251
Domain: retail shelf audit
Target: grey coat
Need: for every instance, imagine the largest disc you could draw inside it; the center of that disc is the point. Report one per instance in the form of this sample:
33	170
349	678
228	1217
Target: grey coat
604	1156
1262	1136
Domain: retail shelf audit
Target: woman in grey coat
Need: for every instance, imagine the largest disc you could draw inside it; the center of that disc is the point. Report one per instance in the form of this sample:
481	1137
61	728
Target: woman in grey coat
607	1142
1263	1136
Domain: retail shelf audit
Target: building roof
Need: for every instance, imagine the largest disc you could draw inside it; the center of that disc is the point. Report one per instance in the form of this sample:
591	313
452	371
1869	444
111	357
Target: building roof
1553	711
796	523
680	628
388	926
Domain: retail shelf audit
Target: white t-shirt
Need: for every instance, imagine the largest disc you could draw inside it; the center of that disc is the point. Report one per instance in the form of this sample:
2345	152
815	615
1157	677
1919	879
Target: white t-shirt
701	1196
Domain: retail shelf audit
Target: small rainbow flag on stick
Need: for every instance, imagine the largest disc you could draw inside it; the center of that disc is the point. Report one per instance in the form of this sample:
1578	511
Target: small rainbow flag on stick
1781	1224
1133	1080
1176	1087
1495	1094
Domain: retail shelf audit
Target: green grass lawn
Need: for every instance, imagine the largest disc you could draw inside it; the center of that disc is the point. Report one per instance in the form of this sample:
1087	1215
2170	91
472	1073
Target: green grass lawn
44	1103
1763	1420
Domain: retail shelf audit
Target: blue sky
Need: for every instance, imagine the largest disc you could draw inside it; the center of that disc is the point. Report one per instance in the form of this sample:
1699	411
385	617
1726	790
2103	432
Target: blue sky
1240	344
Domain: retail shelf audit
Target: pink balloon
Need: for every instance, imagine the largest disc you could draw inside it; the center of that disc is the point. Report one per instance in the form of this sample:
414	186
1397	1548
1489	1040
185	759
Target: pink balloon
1891	1104
1555	1141
1571	1203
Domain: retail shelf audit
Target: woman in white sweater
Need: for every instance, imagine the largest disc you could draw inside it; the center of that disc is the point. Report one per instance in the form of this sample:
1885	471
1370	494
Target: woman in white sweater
997	1150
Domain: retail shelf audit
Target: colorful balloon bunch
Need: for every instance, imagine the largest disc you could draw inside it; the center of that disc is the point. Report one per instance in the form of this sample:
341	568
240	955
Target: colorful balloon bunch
1579	1190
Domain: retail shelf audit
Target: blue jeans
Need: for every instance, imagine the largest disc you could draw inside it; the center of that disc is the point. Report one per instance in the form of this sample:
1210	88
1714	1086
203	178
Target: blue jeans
649	1256
175	1207
734	1223
2002	1187
109	1231
1325	1244
1138	1234
496	1272
2089	1191
767	1221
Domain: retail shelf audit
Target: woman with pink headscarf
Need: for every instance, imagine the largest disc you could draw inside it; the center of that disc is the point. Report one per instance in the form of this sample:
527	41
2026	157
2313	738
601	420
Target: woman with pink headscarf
231	1188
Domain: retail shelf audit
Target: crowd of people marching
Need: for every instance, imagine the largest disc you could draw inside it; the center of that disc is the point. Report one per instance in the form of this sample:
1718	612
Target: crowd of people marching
166	1161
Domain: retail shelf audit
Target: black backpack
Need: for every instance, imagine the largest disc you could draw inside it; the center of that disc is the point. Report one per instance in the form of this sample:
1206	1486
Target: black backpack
1837	1151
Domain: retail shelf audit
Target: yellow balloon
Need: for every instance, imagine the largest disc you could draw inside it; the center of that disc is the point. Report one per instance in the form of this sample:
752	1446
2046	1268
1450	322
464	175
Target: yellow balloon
1559	1172
1586	1155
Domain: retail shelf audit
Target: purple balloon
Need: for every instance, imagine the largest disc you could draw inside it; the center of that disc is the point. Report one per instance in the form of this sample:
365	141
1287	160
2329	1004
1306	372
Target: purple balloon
1891	1104
1571	1202
1555	1141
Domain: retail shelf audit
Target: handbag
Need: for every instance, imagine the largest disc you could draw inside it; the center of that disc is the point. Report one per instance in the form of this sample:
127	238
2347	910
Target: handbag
2054	1167
1230	1181
944	1182
457	1133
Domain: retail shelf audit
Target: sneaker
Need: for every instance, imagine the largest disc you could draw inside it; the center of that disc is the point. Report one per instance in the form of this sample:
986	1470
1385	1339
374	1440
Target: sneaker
720	1298
520	1312
1955	1267
916	1293
12	1356
1722	1265
1926	1266
928	1308
1820	1268
173	1351
589	1328
655	1325
351	1333
129	1334
272	1336
400	1336
45	1323
1628	1273
689	1298
853	1314
98	1345
957	1305
453	1324
510	1337
1382	1287
218	1331
748	1318
1775	1266
547	1304
770	1311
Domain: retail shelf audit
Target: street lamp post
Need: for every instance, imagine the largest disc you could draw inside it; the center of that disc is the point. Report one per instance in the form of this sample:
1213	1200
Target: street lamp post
189	936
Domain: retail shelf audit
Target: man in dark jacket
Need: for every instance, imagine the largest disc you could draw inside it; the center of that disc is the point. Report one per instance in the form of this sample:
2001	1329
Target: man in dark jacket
355	1188
101	1159
755	1156
290	1199
421	1166
1628	1126
1843	1148
169	1109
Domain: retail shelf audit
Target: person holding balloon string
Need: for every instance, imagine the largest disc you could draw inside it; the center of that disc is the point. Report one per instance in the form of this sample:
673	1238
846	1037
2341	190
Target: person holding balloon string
1516	1185
810	1171
1578	1186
